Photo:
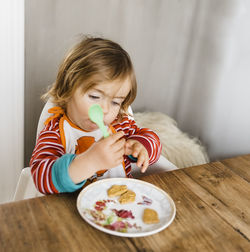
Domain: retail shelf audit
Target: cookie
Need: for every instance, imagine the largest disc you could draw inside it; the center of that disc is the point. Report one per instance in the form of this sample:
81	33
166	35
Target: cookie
117	190
127	197
150	216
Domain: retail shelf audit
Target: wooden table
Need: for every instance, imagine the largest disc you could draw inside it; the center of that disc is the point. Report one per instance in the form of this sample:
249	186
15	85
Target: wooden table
213	214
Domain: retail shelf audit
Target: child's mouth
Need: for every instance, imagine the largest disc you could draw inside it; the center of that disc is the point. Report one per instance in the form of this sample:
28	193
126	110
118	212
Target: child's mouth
93	125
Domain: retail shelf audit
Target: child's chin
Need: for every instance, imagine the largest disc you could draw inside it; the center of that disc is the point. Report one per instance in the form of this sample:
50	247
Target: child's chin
92	127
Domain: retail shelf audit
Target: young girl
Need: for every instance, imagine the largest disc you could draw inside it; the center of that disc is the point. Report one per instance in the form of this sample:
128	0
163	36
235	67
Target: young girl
71	149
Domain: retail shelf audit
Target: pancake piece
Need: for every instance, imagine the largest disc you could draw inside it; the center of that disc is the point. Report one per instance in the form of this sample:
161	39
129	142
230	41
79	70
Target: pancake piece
150	216
117	190
127	197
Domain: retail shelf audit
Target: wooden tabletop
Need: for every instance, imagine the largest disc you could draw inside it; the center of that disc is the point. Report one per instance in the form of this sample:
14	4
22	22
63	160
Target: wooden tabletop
212	214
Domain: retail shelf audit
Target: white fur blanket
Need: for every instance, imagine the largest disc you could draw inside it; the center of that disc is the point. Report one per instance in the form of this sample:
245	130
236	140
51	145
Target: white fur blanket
177	146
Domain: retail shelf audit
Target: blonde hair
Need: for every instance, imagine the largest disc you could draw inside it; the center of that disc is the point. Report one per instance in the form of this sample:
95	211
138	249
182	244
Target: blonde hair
90	62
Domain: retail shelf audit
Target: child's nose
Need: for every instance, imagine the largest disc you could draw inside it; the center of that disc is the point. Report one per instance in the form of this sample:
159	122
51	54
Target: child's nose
105	107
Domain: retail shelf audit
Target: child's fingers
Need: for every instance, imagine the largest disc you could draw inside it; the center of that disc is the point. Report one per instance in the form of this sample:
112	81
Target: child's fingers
128	148
120	153
128	152
115	137
119	145
129	143
144	166
136	150
142	162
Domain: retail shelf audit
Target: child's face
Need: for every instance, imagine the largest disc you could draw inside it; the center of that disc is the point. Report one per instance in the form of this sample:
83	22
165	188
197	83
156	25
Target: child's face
108	95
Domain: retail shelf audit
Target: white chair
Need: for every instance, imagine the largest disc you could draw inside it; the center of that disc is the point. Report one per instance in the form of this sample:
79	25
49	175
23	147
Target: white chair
26	189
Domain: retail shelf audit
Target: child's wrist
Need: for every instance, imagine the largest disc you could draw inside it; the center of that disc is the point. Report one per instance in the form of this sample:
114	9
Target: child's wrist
81	168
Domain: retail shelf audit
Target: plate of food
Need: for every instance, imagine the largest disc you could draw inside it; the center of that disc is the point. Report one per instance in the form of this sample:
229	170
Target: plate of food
126	207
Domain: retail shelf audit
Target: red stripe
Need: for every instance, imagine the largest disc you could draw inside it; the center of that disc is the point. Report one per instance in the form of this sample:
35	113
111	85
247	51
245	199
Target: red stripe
47	150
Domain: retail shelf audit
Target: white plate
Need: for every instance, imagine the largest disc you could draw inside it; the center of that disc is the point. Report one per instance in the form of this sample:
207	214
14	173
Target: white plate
129	227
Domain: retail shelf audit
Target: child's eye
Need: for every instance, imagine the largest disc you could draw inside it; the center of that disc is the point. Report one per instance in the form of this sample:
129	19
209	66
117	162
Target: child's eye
116	103
94	97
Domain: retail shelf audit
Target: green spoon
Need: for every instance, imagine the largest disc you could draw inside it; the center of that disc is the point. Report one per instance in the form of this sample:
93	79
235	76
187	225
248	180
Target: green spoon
96	116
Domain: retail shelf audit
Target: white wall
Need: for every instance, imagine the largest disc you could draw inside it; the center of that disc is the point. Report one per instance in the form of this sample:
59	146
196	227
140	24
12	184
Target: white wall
11	95
191	60
214	103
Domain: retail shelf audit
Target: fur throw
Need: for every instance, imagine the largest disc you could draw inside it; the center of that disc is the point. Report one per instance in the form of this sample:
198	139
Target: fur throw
177	146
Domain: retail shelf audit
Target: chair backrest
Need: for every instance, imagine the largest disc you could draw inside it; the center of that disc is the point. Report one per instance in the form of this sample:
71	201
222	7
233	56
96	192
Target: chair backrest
45	114
25	188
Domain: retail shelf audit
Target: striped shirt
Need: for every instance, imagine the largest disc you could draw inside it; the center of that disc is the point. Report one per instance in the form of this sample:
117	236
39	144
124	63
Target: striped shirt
49	148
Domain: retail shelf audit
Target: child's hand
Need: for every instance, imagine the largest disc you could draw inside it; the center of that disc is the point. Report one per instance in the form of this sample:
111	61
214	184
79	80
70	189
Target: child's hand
108	152
137	150
102	155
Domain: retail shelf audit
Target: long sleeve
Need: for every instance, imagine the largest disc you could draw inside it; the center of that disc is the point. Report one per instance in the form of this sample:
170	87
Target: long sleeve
145	136
49	162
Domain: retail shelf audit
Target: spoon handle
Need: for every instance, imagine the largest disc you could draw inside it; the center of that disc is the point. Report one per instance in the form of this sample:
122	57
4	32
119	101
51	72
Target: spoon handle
104	132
